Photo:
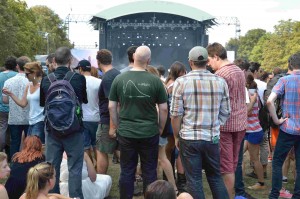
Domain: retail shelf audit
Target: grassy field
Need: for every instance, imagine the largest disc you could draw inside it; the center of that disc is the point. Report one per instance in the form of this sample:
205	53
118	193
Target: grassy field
114	171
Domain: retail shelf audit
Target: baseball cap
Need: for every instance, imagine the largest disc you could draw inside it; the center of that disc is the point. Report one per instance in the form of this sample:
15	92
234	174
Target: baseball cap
84	64
198	53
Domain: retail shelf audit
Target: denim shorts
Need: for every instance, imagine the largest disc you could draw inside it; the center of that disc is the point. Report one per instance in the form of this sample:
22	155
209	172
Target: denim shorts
163	141
255	137
89	133
38	130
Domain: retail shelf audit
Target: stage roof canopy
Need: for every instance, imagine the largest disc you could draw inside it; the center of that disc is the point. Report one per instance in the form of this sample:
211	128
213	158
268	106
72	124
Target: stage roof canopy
144	6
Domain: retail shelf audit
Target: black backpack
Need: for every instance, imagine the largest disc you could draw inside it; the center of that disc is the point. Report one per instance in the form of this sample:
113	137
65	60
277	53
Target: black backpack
62	108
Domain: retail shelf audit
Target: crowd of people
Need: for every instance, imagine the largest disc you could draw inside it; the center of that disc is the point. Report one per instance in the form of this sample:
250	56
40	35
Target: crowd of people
63	126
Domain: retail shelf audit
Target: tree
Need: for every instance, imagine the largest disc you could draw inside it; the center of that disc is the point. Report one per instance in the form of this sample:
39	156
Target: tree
7	31
233	45
274	49
22	30
51	28
248	41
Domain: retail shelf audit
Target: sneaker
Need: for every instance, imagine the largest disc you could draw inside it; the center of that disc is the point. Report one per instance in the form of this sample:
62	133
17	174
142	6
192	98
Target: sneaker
285	181
257	186
285	193
270	159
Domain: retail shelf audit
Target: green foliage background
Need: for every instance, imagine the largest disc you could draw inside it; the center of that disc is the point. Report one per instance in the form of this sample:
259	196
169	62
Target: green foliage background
22	30
269	49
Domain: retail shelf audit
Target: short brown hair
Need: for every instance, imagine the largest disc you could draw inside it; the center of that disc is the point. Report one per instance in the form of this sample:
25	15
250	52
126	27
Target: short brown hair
216	49
104	56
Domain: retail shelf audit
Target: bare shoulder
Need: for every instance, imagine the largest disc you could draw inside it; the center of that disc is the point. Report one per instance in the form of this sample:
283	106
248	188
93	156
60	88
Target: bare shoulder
3	192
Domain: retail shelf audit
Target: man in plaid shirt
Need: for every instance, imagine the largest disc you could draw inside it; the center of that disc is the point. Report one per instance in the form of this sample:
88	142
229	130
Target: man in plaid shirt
287	88
200	104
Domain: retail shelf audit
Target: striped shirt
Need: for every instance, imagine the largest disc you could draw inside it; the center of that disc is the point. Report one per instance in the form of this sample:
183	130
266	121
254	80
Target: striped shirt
253	121
287	88
202	98
235	79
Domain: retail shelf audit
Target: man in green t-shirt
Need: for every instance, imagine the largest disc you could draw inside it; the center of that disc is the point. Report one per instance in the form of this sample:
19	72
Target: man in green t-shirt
138	123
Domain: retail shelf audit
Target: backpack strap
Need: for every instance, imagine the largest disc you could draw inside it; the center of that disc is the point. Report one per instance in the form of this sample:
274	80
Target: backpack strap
69	76
51	77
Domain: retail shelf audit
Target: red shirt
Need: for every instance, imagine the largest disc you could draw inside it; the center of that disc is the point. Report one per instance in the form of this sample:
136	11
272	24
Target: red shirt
235	79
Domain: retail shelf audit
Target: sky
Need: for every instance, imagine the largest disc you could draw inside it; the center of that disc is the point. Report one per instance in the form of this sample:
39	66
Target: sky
252	14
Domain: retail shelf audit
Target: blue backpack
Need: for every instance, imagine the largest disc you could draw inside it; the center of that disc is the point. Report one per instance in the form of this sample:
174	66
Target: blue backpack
62	108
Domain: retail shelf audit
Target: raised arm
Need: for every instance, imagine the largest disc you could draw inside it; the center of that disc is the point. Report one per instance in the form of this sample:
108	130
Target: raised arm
21	102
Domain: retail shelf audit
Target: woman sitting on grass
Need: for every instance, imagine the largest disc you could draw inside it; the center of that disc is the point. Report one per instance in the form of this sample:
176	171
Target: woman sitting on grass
22	161
40	180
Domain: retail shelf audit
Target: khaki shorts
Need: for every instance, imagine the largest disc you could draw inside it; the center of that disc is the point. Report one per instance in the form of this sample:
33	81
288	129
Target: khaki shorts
104	142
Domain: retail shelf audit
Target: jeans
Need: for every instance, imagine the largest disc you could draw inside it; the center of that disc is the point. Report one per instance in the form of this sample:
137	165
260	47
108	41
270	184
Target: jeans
16	136
239	183
284	144
3	128
73	146
38	130
130	148
89	133
198	154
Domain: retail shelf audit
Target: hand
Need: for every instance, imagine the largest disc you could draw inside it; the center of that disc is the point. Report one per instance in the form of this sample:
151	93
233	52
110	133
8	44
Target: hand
253	97
280	121
177	143
6	92
112	132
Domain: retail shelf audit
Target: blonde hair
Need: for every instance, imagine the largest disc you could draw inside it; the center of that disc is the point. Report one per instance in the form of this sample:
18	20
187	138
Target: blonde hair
35	67
37	179
3	156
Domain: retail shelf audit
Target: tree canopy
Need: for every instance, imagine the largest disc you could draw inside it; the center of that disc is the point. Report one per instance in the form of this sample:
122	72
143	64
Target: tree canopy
269	49
29	32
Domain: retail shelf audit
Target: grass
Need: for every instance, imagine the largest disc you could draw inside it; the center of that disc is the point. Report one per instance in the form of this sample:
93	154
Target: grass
114	172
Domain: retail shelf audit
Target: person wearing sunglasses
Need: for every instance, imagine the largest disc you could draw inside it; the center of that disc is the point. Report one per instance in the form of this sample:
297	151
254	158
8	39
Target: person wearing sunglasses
34	73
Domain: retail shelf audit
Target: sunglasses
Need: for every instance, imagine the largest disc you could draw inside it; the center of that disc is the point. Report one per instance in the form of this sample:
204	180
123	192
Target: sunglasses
27	74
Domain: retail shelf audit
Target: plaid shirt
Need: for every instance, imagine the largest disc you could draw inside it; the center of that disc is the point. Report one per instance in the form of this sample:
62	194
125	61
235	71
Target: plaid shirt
287	88
235	79
202	99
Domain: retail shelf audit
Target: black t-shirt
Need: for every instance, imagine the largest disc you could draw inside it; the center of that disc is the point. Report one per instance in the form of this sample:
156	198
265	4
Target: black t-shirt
103	94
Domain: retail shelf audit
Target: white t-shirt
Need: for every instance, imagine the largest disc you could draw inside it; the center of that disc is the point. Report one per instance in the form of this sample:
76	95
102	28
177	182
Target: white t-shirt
261	87
17	85
90	111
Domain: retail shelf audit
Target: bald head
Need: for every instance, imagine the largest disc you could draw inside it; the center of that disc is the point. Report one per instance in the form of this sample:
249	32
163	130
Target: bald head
142	56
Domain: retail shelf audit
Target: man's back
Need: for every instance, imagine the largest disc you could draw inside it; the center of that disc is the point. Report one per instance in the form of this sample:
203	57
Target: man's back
4	76
236	82
91	109
78	82
287	88
103	94
138	92
17	114
205	101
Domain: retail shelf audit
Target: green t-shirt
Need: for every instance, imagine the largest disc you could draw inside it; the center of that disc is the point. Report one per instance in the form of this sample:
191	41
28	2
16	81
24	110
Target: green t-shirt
138	92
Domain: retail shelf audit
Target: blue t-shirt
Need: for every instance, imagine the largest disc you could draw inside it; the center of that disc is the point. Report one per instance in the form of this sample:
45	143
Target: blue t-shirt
3	77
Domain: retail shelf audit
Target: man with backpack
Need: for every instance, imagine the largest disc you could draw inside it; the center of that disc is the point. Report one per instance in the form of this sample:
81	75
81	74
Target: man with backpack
62	95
